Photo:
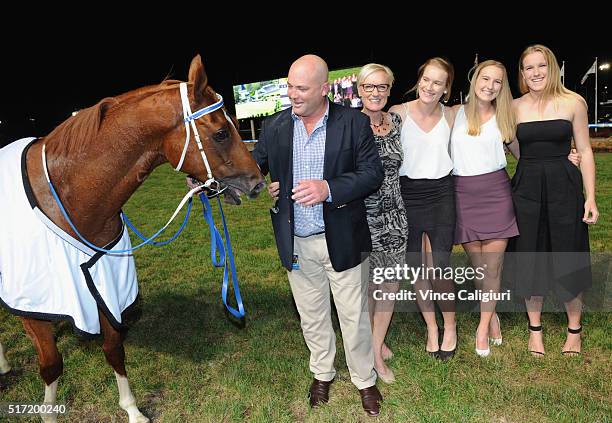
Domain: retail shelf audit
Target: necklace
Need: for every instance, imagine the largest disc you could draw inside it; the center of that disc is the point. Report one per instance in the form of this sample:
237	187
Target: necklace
380	127
382	120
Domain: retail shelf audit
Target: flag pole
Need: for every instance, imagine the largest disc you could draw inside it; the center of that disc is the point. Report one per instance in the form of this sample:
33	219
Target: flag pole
596	94
563	73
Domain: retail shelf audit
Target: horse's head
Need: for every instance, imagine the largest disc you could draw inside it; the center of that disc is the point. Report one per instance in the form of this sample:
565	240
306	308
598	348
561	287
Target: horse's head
219	143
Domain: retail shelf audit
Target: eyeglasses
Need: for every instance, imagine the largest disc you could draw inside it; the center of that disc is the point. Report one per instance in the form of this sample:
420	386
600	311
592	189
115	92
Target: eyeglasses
381	88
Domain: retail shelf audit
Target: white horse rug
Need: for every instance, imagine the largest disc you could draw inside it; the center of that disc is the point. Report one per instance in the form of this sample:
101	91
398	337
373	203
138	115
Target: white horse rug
47	274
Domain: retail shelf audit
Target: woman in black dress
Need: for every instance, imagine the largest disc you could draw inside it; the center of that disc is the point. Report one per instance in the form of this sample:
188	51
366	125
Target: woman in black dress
552	250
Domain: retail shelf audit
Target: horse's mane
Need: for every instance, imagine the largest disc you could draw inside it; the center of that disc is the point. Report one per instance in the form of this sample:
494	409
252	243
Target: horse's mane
72	135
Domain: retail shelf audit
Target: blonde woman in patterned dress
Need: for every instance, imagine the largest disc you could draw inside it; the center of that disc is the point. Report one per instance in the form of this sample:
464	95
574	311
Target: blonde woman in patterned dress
385	209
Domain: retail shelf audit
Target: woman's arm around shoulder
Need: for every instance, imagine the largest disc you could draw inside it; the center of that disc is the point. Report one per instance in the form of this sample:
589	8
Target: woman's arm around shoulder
399	109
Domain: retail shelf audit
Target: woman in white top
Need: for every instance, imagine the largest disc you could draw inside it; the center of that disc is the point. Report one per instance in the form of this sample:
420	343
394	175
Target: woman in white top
485	214
428	193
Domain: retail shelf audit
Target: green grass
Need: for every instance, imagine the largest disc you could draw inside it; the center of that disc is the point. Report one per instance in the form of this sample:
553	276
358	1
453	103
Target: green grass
188	363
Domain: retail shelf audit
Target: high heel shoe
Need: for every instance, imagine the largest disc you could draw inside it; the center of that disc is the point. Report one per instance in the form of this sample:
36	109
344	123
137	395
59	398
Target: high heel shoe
387	354
536	329
482	353
497	341
434	354
447	355
571	353
388	377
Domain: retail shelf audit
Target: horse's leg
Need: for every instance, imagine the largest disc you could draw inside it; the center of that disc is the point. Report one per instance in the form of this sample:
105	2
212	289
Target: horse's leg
4	366
50	361
115	355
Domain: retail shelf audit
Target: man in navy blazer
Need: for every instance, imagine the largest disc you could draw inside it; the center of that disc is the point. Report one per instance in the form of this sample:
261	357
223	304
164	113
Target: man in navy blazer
323	162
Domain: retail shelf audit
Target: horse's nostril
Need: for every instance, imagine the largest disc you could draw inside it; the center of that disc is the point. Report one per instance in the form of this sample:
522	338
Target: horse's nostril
257	189
259	186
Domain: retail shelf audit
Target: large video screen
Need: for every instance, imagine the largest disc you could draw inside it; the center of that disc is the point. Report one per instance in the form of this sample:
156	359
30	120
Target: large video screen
264	98
343	87
259	99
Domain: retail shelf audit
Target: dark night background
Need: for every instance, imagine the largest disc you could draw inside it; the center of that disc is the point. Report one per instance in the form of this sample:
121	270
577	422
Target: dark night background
49	74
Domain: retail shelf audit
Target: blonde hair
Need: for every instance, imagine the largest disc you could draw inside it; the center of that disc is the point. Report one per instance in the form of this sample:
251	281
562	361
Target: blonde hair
443	64
553	87
504	115
371	68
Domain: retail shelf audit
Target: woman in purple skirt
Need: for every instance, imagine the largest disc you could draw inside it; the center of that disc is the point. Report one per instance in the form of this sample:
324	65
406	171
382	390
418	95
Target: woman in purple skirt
485	214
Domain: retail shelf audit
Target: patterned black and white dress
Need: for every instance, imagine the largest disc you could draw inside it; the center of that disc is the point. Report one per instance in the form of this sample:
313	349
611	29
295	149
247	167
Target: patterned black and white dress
385	209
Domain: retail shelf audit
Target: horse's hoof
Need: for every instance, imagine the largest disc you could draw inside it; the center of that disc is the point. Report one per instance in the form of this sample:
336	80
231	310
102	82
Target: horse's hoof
140	419
4	370
134	414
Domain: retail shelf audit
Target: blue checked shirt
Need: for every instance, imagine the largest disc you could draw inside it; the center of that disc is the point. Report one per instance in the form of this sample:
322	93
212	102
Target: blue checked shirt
308	158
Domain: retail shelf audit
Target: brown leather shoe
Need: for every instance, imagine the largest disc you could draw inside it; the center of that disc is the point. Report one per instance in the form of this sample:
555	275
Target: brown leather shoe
370	400
319	392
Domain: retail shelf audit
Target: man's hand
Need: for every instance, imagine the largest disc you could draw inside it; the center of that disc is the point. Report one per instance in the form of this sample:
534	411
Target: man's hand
191	183
310	192
273	190
574	157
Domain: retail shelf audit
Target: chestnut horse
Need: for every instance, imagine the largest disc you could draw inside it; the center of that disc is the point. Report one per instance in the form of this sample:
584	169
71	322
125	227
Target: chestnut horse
98	158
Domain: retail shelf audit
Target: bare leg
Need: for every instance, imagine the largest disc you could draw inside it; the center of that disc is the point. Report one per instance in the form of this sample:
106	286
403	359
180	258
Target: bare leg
488	255
425	304
115	356
380	319
449	340
534	311
50	360
4	365
574	313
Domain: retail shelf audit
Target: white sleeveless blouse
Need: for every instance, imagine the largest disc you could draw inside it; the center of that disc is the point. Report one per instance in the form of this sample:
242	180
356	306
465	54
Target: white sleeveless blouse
426	154
476	155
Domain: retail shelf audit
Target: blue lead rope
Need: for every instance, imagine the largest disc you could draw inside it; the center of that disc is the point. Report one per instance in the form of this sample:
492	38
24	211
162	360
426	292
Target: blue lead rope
130	225
217	242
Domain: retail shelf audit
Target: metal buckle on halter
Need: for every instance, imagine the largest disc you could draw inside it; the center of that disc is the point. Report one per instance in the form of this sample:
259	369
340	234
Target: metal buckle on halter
214	188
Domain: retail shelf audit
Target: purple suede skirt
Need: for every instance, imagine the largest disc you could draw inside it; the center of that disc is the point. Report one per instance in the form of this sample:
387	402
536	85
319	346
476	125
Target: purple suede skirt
484	207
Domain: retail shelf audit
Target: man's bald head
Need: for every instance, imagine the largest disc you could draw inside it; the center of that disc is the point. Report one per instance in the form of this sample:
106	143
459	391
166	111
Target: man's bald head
307	86
312	65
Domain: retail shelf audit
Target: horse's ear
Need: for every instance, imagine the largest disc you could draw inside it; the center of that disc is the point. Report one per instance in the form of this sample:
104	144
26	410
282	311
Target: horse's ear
197	78
104	105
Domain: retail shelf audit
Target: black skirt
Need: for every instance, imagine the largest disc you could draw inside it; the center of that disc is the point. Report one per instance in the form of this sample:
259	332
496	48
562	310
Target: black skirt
551	254
430	209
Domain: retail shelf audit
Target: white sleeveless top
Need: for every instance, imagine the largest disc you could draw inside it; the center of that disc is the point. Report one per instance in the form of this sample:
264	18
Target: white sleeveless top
426	154
476	155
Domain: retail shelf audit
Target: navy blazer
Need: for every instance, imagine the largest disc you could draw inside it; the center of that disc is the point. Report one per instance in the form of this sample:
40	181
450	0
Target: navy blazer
352	168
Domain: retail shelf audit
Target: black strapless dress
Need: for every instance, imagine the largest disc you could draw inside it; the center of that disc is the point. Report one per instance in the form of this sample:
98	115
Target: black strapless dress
552	250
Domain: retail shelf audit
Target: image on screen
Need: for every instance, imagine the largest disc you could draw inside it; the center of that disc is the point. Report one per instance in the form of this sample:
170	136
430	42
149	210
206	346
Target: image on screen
264	98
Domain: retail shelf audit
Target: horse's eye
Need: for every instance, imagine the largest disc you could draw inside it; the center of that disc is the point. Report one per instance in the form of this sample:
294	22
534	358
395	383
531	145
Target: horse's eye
221	135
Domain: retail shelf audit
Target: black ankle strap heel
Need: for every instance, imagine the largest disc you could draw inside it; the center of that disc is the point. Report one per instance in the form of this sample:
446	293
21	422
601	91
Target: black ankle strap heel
535	329
571	353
